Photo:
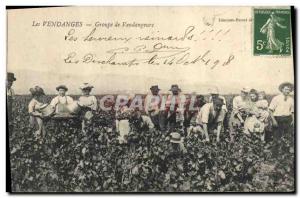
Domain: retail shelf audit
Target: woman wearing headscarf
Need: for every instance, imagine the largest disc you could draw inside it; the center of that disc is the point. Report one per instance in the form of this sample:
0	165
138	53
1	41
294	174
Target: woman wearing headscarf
88	104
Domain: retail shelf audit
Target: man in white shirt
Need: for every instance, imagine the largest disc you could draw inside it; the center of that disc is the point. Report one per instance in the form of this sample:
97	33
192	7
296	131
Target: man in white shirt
211	116
61	101
282	113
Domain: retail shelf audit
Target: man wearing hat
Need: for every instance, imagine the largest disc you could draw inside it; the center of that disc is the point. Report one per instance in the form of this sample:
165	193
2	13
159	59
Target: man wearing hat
173	116
177	147
152	105
214	93
60	101
240	104
282	113
211	117
10	94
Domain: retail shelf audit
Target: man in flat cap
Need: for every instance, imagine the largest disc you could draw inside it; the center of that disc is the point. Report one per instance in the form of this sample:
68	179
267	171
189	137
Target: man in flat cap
10	94
282	114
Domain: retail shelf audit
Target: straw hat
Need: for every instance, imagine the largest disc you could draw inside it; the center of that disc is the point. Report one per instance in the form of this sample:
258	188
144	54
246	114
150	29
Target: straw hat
86	86
288	84
245	89
62	87
175	138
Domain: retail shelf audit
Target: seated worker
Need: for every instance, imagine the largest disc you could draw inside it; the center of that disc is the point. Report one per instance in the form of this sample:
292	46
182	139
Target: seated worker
210	117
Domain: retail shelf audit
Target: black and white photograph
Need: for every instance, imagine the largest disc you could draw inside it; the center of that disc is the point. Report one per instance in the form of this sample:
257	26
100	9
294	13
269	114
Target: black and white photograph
150	99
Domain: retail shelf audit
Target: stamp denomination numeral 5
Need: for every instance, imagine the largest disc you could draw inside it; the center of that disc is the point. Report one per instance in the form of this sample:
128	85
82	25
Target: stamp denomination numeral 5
260	44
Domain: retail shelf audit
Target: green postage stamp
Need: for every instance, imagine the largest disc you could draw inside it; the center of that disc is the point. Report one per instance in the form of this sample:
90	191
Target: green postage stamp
272	31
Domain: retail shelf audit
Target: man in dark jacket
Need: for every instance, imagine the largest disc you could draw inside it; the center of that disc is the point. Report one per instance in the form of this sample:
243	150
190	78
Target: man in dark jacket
10	94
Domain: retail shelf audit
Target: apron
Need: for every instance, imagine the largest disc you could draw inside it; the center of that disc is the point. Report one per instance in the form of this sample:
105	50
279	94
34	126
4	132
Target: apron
62	108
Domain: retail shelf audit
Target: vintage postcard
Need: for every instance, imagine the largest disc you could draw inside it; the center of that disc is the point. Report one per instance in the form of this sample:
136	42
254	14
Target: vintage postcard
150	99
